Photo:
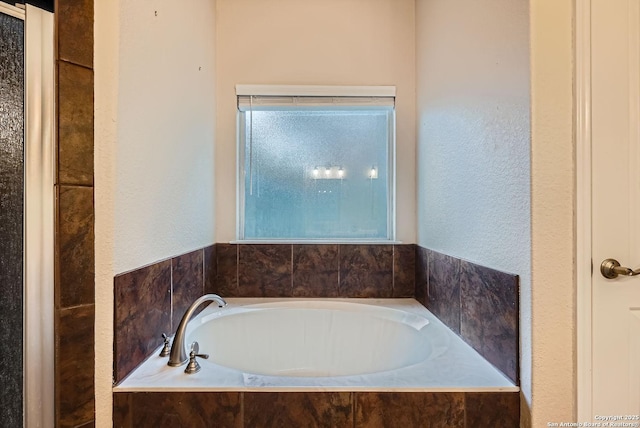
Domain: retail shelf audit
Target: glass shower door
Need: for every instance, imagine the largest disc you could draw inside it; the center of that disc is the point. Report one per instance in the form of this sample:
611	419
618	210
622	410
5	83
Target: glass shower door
12	122
27	200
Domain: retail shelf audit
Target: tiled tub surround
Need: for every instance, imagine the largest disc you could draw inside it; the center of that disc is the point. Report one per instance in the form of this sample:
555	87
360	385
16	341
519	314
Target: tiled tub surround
478	303
151	300
310	270
449	365
316	409
321	271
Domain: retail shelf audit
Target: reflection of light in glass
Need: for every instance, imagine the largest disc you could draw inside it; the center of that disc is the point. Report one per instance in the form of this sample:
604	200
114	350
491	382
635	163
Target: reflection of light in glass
331	172
373	173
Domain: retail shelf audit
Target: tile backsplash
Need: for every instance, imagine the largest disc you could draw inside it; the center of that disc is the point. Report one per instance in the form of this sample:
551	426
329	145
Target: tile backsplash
489	315
152	300
142	313
478	303
310	270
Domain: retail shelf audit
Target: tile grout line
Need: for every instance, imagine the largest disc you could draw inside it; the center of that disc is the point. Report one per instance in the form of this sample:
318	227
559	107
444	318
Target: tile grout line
417	264
71	62
460	296
82	305
204	288
393	270
242	424
80	185
339	269
131	409
237	269
171	297
354	408
428	268
464	409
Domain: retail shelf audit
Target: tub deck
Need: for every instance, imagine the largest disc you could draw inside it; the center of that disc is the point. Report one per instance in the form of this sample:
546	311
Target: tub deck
456	368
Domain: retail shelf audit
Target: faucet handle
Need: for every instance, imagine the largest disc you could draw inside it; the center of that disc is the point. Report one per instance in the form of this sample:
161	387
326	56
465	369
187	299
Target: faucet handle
193	366
166	349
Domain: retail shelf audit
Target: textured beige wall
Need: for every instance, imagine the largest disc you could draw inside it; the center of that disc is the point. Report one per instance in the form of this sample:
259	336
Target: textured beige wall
552	219
316	42
549	304
164	198
473	145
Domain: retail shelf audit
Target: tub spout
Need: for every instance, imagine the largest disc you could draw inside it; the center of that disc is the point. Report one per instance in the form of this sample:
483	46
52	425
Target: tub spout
178	354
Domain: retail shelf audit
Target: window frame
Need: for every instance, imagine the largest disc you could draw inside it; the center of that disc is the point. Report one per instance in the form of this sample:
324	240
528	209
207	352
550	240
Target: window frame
314	91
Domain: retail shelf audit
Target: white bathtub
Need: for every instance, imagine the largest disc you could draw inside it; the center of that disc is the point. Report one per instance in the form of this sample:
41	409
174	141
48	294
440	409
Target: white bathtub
314	338
323	344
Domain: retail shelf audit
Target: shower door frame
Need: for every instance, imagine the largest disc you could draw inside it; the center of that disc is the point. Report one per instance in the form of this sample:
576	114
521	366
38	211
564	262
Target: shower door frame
40	173
39	215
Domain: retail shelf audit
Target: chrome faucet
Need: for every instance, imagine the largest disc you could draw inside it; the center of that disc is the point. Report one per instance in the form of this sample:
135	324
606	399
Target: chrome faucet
178	354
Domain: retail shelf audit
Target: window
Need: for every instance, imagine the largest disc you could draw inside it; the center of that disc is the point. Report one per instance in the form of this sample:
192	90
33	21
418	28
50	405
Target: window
316	167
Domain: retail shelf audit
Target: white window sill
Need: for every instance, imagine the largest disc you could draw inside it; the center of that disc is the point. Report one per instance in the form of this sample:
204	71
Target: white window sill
317	241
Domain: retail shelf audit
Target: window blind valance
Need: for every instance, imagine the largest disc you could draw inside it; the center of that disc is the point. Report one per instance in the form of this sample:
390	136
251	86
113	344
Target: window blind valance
282	97
256	103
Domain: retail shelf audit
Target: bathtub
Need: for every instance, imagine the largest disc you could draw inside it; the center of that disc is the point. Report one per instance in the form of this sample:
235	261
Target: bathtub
322	344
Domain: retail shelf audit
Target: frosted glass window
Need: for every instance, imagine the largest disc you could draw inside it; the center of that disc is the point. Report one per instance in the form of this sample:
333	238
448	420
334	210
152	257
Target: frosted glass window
316	172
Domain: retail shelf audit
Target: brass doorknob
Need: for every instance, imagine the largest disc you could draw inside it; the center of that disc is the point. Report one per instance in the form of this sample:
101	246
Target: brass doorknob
610	268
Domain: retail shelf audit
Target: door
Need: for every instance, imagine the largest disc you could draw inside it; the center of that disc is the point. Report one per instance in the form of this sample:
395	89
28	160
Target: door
615	163
26	217
11	217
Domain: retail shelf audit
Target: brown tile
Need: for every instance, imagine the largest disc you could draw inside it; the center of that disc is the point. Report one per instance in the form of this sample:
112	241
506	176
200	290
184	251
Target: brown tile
75	124
264	270
489	315
315	270
298	409
366	270
422	274
75	31
409	409
227	270
187	284
525	412
492	409
186	409
210	269
443	288
76	246
404	270
122	409
142	312
75	366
